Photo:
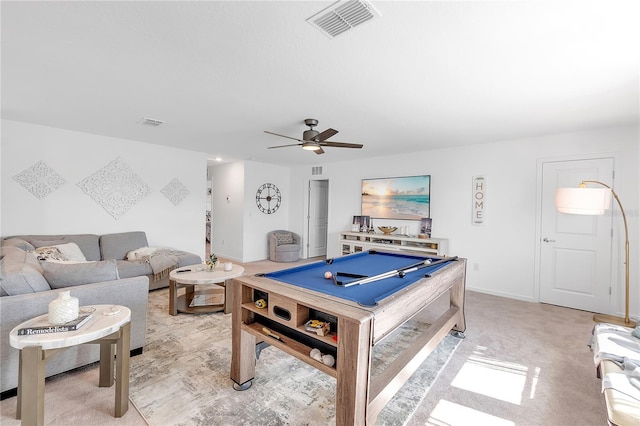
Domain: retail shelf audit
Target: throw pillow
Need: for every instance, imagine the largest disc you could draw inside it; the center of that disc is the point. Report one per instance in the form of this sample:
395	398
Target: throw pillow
49	253
284	238
62	275
71	251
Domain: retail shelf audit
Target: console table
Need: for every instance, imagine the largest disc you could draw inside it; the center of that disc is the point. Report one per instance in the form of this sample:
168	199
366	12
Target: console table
354	242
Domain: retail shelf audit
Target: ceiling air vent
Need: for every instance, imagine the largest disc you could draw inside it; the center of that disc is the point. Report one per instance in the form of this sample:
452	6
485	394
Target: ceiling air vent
150	122
342	16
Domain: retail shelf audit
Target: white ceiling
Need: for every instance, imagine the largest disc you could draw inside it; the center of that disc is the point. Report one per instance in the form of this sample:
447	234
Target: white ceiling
424	75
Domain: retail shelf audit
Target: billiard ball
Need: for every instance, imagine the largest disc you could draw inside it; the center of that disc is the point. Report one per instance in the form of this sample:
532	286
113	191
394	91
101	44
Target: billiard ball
316	354
328	360
261	303
328	275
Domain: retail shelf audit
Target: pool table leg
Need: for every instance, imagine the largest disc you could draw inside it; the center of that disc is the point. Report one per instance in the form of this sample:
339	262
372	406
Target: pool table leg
243	344
352	365
457	300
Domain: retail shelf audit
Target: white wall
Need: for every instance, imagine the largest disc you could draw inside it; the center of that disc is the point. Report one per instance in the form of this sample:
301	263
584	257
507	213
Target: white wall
239	228
501	253
257	223
227	213
75	156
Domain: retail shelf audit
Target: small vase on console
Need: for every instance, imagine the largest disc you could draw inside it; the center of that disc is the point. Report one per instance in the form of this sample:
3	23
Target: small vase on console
63	309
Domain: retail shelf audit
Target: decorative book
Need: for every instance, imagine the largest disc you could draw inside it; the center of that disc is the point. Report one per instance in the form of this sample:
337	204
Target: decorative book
48	328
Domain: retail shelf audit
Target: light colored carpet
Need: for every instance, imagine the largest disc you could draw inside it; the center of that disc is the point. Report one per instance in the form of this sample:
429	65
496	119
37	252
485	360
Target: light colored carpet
183	376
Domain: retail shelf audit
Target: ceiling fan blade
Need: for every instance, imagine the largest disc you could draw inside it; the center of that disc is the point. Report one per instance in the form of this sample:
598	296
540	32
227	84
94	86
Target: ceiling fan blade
341	144
319	151
321	137
284	146
283	136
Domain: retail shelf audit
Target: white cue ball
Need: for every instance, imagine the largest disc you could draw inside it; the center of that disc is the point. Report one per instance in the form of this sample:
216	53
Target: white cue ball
328	275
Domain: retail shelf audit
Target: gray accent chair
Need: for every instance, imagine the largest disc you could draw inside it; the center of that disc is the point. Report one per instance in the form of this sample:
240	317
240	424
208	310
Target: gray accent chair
284	246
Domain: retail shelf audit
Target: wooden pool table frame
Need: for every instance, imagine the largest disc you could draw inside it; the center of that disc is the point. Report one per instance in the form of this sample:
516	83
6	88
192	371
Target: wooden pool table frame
361	397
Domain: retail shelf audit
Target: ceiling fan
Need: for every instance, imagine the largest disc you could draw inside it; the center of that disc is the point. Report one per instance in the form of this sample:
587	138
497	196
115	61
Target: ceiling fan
313	140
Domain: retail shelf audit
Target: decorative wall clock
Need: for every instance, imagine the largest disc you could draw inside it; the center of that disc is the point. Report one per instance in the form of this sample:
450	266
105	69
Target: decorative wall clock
268	198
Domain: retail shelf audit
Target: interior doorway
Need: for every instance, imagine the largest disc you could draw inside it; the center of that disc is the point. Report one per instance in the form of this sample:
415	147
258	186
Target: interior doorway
575	250
318	218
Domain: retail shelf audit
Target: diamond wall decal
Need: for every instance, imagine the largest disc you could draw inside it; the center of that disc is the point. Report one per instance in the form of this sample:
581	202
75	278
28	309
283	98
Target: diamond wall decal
40	179
175	191
115	187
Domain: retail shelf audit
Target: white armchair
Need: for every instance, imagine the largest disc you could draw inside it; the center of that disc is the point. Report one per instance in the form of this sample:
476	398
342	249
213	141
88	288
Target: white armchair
284	246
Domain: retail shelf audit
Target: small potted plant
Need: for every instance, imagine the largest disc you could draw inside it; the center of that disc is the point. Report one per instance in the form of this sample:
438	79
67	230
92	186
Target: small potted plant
211	262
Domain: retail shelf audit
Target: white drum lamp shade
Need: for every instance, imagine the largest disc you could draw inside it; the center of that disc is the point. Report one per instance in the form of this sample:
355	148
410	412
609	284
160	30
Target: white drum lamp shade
586	201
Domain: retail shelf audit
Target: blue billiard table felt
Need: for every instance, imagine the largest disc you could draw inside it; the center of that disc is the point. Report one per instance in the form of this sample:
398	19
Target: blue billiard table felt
311	275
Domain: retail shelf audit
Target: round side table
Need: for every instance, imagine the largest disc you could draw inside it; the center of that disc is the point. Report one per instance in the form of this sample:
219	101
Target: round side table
215	297
109	326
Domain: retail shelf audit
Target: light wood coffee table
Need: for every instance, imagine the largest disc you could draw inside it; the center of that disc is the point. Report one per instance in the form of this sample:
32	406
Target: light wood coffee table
110	325
215	297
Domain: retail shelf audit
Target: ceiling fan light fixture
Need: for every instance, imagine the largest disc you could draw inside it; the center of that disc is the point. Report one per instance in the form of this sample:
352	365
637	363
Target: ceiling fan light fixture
311	146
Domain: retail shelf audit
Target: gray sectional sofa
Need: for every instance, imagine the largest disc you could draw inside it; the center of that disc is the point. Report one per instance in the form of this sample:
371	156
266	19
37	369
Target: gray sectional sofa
28	284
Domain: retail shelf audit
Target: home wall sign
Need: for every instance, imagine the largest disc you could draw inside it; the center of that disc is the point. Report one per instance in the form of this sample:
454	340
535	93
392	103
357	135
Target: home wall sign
479	200
268	198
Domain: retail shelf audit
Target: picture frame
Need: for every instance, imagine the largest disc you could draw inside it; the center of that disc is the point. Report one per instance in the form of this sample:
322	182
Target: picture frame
399	198
425	226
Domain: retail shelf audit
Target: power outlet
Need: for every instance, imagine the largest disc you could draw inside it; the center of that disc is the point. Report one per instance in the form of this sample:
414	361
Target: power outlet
476	267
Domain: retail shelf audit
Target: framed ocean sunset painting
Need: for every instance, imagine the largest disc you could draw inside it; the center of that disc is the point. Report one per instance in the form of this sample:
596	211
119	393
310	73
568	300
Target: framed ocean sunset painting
406	197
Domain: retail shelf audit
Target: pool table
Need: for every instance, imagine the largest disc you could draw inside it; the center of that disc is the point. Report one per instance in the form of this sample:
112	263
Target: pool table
358	316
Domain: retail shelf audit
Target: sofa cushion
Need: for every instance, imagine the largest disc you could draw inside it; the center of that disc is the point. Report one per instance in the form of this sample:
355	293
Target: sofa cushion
18	242
20	273
288	247
116	246
283	238
88	243
46	243
127	269
62	275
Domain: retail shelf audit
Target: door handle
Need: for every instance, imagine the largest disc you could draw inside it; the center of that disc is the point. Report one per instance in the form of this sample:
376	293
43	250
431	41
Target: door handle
546	240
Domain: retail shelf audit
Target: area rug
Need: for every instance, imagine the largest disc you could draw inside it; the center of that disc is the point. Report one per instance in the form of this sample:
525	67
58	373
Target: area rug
182	378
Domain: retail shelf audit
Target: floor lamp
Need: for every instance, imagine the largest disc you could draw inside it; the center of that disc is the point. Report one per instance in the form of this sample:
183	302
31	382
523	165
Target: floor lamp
594	201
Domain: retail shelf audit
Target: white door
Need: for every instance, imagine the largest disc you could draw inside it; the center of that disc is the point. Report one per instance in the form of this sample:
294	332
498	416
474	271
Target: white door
575	250
318	217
